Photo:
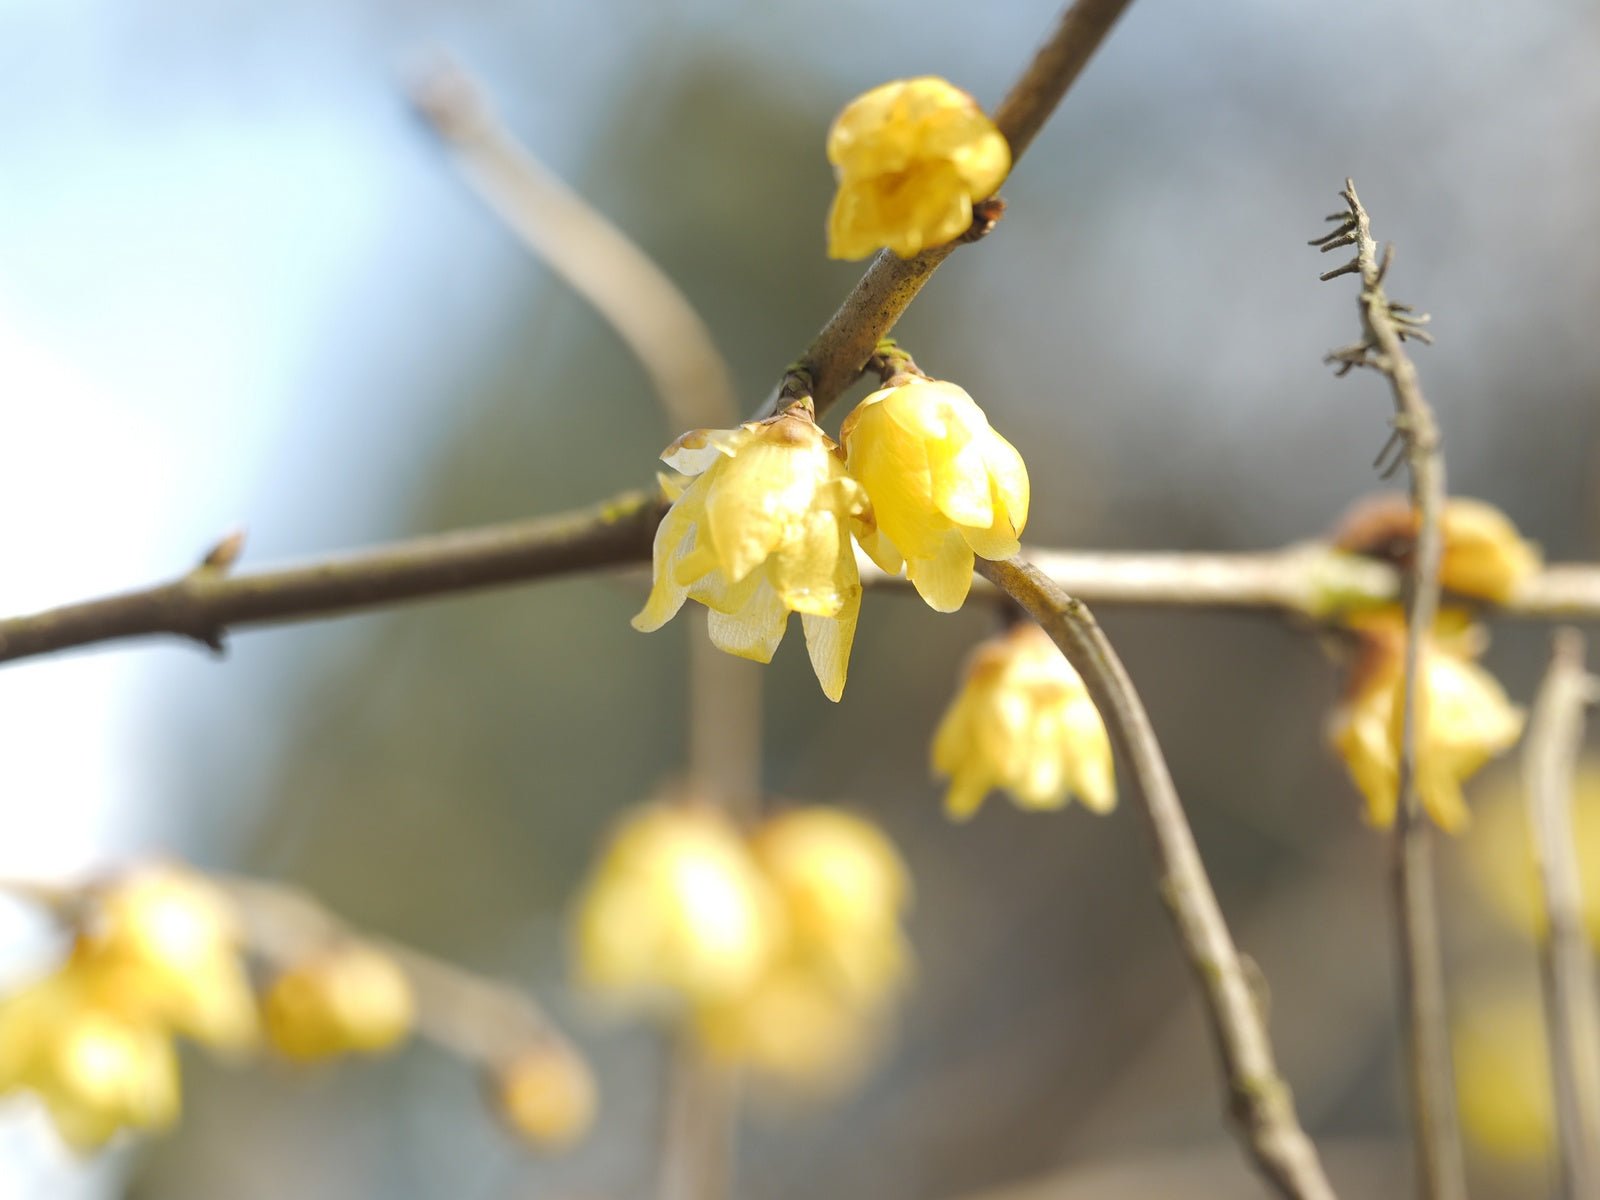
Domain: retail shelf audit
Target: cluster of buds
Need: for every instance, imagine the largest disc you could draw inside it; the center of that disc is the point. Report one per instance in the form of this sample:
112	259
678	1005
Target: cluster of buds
1464	718
780	950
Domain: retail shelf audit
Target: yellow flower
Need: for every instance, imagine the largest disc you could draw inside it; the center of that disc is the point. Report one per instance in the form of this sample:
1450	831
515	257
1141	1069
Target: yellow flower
1500	850
546	1094
675	911
347	1000
1464	719
763	530
165	942
910	157
1023	721
844	888
943	486
1483	554
95	1071
1503	1074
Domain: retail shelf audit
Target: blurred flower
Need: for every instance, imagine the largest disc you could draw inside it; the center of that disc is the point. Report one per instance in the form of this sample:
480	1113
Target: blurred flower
1500	850
165	942
1503	1074
1463	718
763	530
780	953
546	1094
943	486
351	999
910	157
96	1069
1023	721
675	911
1483	554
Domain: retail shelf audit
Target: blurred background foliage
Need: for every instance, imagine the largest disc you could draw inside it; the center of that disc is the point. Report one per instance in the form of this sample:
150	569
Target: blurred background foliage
1146	325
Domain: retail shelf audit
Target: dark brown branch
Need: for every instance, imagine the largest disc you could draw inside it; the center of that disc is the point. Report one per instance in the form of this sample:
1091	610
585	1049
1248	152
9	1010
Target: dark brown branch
1555	739
1259	1102
1384	327
838	354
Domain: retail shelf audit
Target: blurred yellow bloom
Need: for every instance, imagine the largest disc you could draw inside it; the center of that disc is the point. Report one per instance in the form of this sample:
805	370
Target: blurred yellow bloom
943	485
1483	554
1464	720
1500	850
794	1027
95	1070
910	157
164	941
763	530
1023	721
844	889
1503	1074
546	1094
351	999
676	911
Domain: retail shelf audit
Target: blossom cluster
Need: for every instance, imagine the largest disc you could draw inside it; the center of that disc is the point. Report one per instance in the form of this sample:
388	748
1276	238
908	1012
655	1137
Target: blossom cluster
780	950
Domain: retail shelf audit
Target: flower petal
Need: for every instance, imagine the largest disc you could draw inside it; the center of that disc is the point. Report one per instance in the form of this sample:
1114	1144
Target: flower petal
755	630
944	579
828	641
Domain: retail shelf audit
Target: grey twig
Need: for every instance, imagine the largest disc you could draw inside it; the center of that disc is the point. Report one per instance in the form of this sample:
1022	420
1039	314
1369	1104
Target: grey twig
1442	1175
1259	1101
1555	739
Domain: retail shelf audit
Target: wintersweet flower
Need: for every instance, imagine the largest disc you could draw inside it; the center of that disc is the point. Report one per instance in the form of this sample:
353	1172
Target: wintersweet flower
95	1069
763	530
350	999
546	1093
1023	721
910	157
943	485
676	912
1482	555
1464	719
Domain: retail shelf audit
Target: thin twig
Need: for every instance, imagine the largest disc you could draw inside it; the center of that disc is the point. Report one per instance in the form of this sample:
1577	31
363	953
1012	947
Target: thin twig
836	356
1384	327
597	260
1572	1003
1306	579
1259	1101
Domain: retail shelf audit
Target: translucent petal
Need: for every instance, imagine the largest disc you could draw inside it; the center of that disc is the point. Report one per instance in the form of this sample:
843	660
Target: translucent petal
967	790
809	569
755	630
1009	478
961	488
700	449
674	539
828	641
944	579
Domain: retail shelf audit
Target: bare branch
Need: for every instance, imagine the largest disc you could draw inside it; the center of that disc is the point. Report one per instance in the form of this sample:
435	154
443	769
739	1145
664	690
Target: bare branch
1439	1161
1259	1101
1555	739
839	352
598	261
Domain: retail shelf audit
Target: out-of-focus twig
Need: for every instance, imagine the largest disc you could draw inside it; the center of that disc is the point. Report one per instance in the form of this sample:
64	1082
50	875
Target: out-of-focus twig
1555	738
1385	326
598	261
839	352
1307	579
1259	1101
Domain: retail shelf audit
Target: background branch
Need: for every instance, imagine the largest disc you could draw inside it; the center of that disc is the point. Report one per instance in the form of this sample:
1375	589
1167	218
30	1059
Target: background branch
1572	1004
1259	1101
839	352
1385	326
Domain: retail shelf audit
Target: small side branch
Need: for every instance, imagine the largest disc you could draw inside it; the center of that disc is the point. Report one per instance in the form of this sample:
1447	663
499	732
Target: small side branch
1385	326
1572	1004
1259	1101
839	352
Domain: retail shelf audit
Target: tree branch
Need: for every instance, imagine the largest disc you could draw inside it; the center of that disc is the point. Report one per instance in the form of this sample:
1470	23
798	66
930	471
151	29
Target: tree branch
1259	1101
839	352
1385	326
1555	739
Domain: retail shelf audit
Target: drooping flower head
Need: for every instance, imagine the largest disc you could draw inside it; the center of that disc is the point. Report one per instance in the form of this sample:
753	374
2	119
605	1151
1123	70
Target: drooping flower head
1463	718
911	157
943	485
763	530
1023	721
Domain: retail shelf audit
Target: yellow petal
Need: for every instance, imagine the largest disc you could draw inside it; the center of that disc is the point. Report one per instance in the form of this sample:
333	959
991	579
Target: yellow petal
755	630
943	580
828	641
674	539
